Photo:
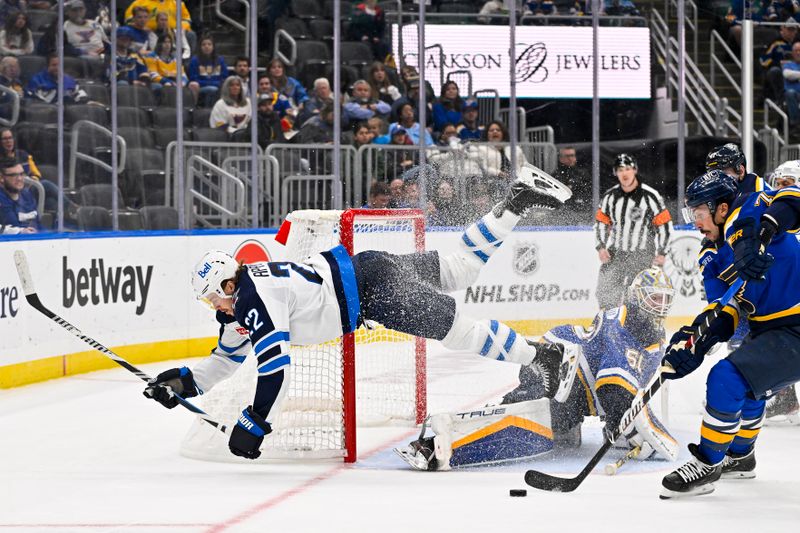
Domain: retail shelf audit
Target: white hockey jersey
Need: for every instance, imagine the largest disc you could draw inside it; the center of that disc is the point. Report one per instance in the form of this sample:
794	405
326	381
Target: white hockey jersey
278	303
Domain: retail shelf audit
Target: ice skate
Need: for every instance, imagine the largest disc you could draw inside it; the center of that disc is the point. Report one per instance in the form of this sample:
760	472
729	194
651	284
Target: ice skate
546	365
533	188
419	454
694	478
783	409
739	466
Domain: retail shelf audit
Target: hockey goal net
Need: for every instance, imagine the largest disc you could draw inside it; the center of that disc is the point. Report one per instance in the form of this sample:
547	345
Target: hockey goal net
374	376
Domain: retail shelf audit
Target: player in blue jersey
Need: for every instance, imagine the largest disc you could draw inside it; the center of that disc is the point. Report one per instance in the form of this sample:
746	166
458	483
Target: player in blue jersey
608	365
755	241
730	159
265	306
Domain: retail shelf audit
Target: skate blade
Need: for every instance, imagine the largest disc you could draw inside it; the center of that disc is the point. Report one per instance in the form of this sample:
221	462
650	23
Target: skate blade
411	458
739	475
541	181
783	420
667	494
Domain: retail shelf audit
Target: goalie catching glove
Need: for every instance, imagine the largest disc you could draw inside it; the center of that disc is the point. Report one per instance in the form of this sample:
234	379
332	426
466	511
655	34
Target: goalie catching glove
164	387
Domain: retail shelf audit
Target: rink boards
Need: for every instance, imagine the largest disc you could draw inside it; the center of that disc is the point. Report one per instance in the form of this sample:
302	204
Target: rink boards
131	291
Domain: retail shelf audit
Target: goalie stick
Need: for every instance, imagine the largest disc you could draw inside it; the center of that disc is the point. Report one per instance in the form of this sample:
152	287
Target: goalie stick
33	299
543	481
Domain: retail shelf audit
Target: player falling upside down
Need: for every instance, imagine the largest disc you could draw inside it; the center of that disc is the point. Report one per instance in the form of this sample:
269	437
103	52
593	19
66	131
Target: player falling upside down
754	242
613	360
265	306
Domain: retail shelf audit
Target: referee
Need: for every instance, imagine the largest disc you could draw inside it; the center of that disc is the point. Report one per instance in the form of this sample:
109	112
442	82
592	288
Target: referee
632	231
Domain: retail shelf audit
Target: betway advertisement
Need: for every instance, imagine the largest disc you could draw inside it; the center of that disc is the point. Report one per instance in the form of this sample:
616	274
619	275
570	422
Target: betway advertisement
135	290
549	61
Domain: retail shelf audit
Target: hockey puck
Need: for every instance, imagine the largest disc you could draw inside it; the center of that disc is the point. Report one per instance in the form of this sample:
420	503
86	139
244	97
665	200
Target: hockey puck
518	493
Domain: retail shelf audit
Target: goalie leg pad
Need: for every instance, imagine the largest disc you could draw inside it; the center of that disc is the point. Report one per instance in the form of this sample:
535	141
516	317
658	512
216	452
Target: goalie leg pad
653	437
493	434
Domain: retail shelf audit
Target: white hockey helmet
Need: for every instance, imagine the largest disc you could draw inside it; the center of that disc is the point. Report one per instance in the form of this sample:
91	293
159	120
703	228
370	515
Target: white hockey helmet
209	273
786	174
652	291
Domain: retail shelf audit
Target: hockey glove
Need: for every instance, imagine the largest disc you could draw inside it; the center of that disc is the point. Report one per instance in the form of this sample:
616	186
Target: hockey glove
167	384
683	362
751	260
248	434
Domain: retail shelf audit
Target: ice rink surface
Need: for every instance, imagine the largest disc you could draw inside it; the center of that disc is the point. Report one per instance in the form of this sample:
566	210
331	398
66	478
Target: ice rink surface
90	453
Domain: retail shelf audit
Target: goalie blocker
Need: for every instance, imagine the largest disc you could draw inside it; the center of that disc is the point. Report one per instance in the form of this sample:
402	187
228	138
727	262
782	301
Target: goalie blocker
602	373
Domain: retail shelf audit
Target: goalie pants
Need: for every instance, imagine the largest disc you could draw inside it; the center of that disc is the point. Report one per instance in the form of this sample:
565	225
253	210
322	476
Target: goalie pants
402	293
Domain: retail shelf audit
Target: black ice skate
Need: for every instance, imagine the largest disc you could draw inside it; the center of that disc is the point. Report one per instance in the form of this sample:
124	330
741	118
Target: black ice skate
694	478
546	365
739	466
533	188
419	454
783	409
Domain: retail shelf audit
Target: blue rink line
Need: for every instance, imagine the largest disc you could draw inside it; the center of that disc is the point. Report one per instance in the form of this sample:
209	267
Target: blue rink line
557	462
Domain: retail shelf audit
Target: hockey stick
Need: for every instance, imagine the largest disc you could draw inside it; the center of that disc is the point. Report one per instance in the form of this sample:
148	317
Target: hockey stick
33	299
543	481
611	468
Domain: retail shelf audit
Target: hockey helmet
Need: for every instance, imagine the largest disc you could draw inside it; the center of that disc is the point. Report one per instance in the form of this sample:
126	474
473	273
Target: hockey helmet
624	160
209	273
725	156
652	292
711	189
785	175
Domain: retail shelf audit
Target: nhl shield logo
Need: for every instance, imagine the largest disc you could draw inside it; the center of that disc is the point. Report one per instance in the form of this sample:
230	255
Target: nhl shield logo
526	258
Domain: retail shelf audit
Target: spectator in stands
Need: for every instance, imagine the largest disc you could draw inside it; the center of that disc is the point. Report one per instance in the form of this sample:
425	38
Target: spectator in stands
286	85
618	8
16	38
445	209
8	149
162	66
320	95
779	51
44	85
282	105
359	136
791	75
162	28
443	155
380	87
398	161
241	68
539	7
378	127
410	78
318	129
18	210
447	108
368	24
778	10
207	70
490	9
361	106
268	123
9	75
756	10
379	196
396	191
232	110
86	36
8	7
407	120
46	44
469	129
496	158
131	69
569	173
170	9
141	32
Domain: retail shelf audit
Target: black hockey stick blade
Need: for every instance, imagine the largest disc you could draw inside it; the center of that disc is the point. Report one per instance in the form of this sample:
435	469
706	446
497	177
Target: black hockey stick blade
33	300
542	481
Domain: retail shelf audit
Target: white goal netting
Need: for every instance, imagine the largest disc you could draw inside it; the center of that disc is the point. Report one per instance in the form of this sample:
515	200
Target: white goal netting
375	375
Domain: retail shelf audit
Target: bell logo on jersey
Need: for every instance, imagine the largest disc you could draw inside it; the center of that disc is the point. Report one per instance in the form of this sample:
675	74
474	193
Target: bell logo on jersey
206	269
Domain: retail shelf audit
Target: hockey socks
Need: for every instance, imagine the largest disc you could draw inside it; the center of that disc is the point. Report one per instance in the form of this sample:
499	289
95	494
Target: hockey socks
459	270
489	338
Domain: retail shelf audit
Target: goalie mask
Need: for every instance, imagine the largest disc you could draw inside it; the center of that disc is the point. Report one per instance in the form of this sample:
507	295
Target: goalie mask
652	292
209	273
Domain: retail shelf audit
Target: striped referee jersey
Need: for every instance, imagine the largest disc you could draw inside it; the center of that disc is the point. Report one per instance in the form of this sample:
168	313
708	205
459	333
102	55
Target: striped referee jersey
633	221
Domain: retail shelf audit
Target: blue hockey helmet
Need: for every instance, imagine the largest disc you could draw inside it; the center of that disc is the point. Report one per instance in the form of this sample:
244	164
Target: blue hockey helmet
711	189
725	156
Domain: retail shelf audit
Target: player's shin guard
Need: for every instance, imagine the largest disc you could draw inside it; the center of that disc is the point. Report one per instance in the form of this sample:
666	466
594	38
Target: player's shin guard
459	270
489	338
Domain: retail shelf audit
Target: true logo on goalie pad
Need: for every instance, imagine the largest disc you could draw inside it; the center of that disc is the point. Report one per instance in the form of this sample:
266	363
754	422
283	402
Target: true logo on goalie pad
526	258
